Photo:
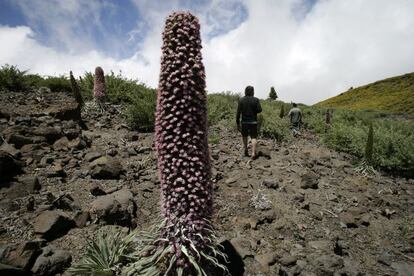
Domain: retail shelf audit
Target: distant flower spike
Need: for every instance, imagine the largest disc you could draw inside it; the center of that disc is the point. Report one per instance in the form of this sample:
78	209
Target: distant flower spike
76	90
99	89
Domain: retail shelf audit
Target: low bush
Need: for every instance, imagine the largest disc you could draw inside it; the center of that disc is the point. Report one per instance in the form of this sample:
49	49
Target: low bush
56	84
141	111
393	141
12	79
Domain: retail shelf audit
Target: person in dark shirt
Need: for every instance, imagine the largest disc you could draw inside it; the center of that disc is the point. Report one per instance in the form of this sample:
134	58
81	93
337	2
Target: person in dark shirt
248	108
295	115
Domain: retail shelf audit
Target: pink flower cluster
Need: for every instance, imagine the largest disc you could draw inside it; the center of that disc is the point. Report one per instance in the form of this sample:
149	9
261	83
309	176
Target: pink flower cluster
99	84
181	135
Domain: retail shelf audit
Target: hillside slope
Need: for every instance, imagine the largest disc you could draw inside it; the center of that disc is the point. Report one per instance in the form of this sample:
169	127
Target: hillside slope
394	95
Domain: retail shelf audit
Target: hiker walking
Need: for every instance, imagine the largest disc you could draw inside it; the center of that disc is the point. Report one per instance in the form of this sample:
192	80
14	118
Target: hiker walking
248	108
295	115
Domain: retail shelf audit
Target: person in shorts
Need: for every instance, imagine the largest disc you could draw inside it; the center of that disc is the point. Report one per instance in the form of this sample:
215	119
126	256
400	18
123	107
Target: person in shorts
247	110
295	116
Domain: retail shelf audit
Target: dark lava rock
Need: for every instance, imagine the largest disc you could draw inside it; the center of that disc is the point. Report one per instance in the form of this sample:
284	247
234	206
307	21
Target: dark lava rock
81	219
9	270
288	260
51	134
52	224
348	220
66	202
56	171
19	140
309	180
116	208
51	261
91	156
132	136
97	190
271	184
326	264
9	166
11	150
403	268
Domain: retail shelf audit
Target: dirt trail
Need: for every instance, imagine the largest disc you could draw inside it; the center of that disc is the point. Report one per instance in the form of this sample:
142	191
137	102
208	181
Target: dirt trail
299	209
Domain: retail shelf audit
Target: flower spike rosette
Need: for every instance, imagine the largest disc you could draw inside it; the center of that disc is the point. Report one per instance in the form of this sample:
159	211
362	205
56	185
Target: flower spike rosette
184	243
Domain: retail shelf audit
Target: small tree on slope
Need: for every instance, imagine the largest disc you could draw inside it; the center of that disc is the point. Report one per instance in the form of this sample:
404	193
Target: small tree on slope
272	94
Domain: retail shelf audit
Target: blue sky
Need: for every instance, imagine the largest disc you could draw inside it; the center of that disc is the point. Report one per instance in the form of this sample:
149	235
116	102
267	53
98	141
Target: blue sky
113	27
308	49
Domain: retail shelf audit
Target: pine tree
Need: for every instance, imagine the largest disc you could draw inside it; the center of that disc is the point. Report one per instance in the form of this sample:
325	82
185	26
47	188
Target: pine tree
272	94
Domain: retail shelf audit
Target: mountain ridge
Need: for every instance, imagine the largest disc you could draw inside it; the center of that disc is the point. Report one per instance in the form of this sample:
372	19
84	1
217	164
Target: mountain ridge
393	95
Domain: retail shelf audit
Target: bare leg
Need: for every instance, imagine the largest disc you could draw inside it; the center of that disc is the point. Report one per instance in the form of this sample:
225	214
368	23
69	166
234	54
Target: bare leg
254	143
245	145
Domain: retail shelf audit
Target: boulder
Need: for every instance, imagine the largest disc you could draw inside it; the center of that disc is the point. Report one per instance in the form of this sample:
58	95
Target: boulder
116	208
266	260
51	262
52	224
9	166
242	247
61	144
22	255
30	183
106	167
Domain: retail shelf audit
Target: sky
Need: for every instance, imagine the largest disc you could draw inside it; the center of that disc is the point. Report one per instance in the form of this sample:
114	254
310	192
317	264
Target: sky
309	50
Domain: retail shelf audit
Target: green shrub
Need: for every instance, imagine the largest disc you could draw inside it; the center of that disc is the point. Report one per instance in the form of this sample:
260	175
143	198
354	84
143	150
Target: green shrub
222	107
141	111
12	79
57	84
272	126
393	150
86	85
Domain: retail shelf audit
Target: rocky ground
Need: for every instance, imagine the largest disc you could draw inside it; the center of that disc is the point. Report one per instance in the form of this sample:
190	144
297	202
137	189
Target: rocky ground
299	209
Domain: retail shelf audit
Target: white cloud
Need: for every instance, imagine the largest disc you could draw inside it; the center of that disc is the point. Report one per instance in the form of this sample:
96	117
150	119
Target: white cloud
337	45
306	56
